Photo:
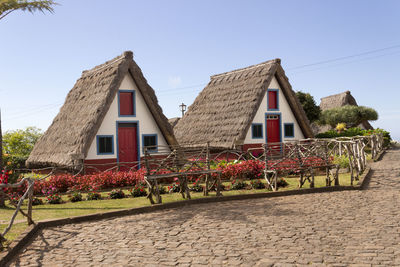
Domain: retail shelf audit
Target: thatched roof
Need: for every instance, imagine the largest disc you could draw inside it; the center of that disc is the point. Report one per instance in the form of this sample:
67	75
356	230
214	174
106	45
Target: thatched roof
173	121
340	100
223	111
75	126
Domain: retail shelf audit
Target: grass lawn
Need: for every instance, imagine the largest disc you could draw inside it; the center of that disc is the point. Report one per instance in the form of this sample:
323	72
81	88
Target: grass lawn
69	209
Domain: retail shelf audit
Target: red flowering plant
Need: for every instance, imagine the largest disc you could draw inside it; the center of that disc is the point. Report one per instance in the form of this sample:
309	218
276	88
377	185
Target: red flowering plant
175	187
52	195
138	191
4	177
14	197
196	187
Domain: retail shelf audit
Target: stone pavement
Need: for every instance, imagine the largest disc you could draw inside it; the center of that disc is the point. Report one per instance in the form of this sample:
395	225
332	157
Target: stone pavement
356	228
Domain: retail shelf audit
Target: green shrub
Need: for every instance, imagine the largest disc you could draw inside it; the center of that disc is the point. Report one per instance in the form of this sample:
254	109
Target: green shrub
351	115
257	184
280	182
343	161
75	197
355	131
116	194
196	187
54	198
238	185
93	195
162	190
37	201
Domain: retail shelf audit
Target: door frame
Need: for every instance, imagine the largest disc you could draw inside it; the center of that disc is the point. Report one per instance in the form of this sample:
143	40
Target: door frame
137	138
280	126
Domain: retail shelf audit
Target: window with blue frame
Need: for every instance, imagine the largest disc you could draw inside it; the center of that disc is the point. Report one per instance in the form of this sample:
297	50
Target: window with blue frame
288	129
105	144
256	131
150	142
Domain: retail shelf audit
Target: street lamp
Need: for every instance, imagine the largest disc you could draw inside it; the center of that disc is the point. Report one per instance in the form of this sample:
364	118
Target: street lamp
183	108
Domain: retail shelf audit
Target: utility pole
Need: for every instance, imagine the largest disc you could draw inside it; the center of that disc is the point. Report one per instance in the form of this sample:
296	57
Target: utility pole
183	108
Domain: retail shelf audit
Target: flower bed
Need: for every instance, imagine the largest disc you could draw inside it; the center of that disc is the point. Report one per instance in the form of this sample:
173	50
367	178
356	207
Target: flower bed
235	170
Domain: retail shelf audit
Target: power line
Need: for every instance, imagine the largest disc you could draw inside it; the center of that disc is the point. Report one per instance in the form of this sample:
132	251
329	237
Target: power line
344	63
345	57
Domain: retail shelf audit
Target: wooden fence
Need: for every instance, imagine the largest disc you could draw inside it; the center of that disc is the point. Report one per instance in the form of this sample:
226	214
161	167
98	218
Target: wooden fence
302	157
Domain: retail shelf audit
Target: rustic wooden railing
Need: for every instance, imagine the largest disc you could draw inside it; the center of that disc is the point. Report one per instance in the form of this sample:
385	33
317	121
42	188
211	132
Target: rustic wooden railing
28	194
301	157
179	162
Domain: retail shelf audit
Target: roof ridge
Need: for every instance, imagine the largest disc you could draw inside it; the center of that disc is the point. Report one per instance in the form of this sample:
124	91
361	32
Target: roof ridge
276	60
125	55
338	94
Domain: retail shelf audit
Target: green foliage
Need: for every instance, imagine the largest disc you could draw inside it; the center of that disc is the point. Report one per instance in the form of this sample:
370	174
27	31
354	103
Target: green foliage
386	135
355	131
75	197
351	115
196	187
257	184
342	161
116	194
162	190
280	182
19	143
37	201
238	185
8	6
140	191
311	109
92	195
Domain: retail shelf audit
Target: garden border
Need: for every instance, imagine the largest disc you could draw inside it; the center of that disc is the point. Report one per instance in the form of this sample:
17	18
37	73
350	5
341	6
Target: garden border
31	232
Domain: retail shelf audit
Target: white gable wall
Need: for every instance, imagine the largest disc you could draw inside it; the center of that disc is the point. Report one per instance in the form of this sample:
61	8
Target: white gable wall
147	124
285	111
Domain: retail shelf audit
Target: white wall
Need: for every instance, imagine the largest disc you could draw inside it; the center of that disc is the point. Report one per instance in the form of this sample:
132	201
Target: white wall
147	124
286	117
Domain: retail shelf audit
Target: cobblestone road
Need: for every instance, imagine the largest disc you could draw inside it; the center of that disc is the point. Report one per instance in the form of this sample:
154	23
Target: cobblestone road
336	229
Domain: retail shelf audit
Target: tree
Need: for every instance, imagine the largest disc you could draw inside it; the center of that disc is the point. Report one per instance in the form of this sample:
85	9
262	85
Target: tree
310	107
20	142
351	115
8	6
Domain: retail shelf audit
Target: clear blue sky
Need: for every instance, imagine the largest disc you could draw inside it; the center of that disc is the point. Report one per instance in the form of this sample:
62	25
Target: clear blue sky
179	44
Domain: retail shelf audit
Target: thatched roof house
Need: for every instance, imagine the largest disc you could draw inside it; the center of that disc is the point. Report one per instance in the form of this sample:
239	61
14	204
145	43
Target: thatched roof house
340	100
236	107
107	103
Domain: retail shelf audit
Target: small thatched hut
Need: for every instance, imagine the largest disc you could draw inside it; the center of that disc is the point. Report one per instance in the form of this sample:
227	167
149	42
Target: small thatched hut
340	100
173	121
245	108
107	117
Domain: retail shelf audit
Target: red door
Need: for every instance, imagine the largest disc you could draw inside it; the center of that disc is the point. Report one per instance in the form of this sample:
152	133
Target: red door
273	132
127	144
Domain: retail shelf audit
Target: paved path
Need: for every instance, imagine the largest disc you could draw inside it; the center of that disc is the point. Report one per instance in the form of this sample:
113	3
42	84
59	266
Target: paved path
335	229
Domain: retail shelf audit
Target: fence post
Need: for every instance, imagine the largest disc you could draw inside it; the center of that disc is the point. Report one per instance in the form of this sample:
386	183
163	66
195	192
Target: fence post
30	200
149	184
205	192
2	199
